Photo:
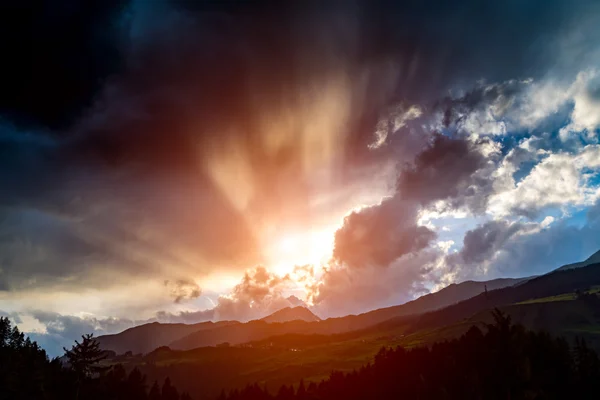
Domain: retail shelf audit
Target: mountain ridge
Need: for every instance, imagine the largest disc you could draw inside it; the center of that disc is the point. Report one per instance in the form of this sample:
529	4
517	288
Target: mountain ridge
291	314
260	329
284	321
147	337
594	258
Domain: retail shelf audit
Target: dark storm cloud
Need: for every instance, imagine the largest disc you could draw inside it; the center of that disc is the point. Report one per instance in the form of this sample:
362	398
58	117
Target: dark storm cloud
502	95
135	99
482	242
378	235
56	55
524	249
444	169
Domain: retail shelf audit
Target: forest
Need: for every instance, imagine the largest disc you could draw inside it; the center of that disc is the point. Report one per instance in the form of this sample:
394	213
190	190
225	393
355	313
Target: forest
498	360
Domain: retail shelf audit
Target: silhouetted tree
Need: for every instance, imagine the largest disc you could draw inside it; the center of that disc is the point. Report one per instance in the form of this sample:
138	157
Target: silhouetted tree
301	392
168	391
84	357
154	393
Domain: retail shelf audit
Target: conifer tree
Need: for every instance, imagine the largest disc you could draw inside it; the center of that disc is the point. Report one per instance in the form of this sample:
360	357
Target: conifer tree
85	356
154	393
169	392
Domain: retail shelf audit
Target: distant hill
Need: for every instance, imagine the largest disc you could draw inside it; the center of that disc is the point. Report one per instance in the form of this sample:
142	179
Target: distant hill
262	329
291	320
549	302
551	284
451	294
593	259
291	314
147	337
283	353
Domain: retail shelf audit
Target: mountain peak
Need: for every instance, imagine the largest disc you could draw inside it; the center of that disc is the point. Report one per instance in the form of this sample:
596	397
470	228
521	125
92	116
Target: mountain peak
291	314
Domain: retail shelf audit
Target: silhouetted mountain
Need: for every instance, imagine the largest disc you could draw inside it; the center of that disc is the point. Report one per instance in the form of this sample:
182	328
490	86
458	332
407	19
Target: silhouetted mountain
296	320
291	314
593	259
449	295
147	337
260	330
552	284
310	350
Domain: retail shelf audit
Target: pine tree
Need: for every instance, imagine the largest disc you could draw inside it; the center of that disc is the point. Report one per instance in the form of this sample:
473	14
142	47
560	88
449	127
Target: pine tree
136	383
169	392
301	393
85	356
154	393
186	396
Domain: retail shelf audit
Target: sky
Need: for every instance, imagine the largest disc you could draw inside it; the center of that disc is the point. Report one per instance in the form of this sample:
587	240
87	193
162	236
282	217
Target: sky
181	161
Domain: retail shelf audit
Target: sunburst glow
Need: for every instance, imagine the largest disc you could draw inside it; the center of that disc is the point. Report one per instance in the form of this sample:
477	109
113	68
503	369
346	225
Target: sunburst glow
299	248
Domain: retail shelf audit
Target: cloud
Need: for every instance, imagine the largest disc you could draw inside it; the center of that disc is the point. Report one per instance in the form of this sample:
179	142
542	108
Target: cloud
558	180
176	142
377	235
186	151
72	50
499	249
186	317
454	170
62	330
260	292
447	170
183	289
480	245
342	290
585	93
482	109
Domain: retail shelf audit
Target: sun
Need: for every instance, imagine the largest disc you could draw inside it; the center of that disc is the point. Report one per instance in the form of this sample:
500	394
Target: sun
290	249
287	244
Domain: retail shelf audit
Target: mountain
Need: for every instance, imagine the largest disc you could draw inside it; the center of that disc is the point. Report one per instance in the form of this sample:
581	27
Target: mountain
451	294
552	284
594	258
283	353
147	337
262	329
291	314
292	320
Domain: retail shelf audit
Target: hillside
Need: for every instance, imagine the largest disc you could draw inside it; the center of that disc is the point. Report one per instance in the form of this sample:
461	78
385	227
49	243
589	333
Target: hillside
551	284
593	259
283	353
260	330
291	314
294	320
285	359
147	337
451	294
